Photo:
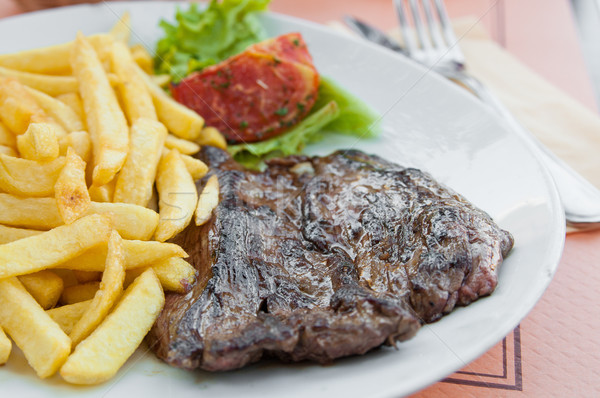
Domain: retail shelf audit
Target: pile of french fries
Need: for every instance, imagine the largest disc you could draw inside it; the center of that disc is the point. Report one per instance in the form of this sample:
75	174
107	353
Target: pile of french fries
95	176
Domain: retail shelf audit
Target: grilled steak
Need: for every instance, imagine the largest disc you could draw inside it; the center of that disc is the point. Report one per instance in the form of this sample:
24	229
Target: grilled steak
323	257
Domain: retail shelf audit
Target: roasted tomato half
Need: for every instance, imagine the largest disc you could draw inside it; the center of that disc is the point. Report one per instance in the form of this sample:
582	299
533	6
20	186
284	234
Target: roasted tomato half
257	94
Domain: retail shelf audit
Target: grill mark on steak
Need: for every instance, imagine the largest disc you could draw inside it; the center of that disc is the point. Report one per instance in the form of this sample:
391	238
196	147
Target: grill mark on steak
319	258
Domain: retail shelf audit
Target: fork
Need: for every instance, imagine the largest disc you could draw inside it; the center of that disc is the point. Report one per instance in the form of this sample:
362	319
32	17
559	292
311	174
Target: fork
433	43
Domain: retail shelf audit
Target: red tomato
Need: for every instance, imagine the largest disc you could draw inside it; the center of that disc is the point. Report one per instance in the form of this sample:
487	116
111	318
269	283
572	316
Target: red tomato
257	94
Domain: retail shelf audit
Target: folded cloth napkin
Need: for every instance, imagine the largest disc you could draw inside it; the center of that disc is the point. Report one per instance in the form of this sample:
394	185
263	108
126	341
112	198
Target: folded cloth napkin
565	126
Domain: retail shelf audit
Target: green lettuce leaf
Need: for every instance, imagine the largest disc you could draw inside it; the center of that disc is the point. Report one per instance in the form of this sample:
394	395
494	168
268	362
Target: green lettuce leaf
200	38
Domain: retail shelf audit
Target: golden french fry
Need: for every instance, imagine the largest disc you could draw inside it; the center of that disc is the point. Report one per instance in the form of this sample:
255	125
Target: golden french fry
138	253
178	197
85	276
106	122
54	247
175	274
101	355
73	101
159	80
66	316
11	234
143	59
29	177
103	193
131	221
5	347
207	201
53	60
136	180
44	286
110	289
44	344
80	142
212	137
58	110
8	151
153	202
183	146
49	84
39	142
196	167
78	293
180	120
121	31
67	276
70	191
6	137
134	92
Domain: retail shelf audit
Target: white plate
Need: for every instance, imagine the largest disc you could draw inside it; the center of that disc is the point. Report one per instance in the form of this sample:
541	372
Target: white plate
428	123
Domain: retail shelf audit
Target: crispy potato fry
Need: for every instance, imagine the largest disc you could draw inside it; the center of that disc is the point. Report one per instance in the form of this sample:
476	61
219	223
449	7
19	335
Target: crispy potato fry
8	151
52	60
207	201
78	293
175	274
138	253
44	344
70	191
101	355
131	221
196	167
80	142
134	92
86	276
45	287
67	276
39	142
109	292
66	316
29	177
5	347
6	137
136	180
153	202
103	193
58	110
212	137
178	197
180	120
106	122
54	247
11	234
49	84
183	146
143	59
160	80
73	101
121	31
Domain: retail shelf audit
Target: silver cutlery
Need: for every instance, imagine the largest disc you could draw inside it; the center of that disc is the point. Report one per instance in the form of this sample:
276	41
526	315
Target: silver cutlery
433	44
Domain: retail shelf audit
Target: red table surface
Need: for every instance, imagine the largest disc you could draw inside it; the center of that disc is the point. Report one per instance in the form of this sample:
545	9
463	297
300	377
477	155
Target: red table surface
555	351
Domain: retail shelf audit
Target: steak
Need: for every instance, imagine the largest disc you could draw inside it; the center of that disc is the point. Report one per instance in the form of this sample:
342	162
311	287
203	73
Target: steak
316	258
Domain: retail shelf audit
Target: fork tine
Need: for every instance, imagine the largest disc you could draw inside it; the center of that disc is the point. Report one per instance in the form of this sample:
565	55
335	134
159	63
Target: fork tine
421	33
434	27
407	34
449	35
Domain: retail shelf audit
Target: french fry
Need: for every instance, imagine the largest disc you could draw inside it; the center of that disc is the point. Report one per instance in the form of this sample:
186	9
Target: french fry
137	253
103	193
44	344
101	355
66	316
175	274
49	84
11	234
106	122
5	347
212	137
78	293
196	167
183	146
67	276
73	101
6	137
54	247
178	197
8	151
109	292
53	60
134	92
85	276
153	202
58	110
136	180
121	31
160	80
80	142
29	177
131	221
178	119
39	142
207	201
70	191
143	59
44	286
